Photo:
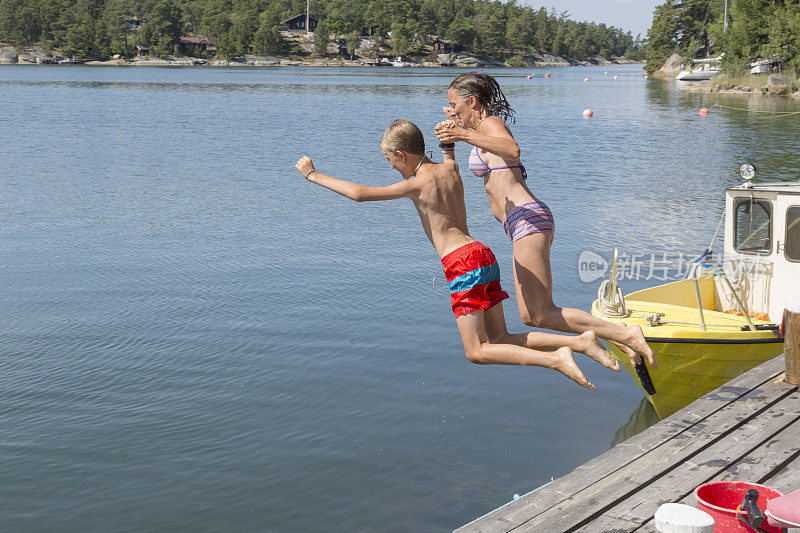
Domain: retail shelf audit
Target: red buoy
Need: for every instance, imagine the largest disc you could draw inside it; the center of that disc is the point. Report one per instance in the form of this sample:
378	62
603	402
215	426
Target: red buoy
703	112
529	77
588	113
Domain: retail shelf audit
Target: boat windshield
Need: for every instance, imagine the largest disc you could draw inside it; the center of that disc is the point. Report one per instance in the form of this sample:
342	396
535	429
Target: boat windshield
753	226
793	233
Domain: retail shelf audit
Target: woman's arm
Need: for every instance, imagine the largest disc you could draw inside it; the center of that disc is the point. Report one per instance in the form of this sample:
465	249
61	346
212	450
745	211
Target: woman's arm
494	137
354	191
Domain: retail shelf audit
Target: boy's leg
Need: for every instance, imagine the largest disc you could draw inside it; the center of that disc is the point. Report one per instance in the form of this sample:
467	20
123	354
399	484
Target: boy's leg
473	334
585	343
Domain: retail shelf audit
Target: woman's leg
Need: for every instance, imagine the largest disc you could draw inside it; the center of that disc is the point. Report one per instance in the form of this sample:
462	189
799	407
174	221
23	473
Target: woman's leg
480	351
533	283
586	343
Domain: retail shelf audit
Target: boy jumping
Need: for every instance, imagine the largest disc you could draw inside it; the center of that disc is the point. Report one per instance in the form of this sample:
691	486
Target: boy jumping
470	267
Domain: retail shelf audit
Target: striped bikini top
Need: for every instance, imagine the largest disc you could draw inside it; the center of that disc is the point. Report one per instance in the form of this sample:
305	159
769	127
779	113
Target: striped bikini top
480	168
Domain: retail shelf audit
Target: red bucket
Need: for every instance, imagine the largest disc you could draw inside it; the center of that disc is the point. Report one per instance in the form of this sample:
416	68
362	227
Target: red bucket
721	499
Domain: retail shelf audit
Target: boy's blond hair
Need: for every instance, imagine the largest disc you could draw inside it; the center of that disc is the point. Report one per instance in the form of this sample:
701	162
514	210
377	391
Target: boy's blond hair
403	135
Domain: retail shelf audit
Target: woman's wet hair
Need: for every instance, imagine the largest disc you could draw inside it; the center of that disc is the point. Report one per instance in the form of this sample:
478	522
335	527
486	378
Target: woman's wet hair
486	90
403	135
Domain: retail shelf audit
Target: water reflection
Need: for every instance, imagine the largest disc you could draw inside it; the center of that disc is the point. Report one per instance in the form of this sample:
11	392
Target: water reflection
740	127
642	418
268	87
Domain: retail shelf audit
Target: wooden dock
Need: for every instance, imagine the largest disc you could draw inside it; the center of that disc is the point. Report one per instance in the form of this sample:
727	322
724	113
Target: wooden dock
746	430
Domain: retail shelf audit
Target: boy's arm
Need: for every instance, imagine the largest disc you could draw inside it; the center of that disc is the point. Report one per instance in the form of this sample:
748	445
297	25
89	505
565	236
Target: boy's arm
354	191
449	154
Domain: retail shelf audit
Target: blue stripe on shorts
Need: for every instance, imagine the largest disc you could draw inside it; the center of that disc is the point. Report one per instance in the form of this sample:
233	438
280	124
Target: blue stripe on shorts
484	274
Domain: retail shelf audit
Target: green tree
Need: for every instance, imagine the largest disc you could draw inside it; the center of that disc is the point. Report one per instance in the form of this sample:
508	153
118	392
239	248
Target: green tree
401	38
268	40
783	42
519	30
543	38
495	31
461	31
321	39
662	37
163	26
352	43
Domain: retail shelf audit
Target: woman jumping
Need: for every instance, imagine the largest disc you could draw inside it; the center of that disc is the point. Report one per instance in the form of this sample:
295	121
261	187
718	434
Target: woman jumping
477	115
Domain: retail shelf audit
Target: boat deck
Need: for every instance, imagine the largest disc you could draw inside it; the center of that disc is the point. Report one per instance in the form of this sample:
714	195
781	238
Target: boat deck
746	430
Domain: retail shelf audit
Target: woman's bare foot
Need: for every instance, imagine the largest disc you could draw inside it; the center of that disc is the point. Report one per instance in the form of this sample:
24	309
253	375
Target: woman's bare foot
565	364
638	344
627	351
589	344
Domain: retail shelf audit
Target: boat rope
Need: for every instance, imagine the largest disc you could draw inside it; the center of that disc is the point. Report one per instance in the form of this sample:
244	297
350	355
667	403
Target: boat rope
656	319
719	224
780	113
612	305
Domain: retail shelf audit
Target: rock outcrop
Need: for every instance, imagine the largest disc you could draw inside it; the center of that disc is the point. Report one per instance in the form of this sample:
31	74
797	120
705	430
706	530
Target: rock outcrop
672	65
548	60
778	84
467	61
8	55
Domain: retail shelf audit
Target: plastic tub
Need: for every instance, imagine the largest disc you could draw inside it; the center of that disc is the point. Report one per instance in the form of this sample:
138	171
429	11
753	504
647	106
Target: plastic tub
721	500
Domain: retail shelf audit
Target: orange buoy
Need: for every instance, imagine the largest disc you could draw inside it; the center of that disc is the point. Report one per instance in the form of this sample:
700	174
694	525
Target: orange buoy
703	112
588	113
529	77
586	79
547	75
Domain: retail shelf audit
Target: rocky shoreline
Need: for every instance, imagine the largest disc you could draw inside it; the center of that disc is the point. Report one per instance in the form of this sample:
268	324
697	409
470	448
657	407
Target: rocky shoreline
34	55
775	85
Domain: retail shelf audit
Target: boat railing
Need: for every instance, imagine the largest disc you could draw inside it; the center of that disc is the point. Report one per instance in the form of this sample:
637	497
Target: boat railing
611	300
718	271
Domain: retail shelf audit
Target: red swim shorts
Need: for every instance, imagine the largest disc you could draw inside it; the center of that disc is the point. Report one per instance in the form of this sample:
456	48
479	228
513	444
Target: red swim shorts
473	275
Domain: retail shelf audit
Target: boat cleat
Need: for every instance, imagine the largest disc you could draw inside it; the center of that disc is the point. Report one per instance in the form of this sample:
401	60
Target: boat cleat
654	319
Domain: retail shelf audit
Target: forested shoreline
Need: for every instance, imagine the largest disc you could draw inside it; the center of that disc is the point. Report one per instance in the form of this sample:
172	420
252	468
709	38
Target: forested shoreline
500	30
755	30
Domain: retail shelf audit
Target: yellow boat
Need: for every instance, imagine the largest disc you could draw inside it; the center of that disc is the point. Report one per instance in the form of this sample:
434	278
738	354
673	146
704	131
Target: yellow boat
722	320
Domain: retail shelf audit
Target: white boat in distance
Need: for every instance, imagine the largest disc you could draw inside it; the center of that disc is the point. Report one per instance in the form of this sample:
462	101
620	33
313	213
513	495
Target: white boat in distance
702	69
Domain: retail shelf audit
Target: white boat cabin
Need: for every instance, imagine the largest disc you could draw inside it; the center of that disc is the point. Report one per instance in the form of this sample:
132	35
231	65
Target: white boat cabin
762	247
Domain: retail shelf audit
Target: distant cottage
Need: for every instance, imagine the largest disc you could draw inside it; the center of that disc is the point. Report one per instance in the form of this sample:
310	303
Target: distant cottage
298	23
443	46
192	45
134	23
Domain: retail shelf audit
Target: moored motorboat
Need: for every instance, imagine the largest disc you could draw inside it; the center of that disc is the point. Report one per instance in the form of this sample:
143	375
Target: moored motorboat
723	319
701	69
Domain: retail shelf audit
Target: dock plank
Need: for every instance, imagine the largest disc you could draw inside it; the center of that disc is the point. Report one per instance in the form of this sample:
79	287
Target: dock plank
605	481
771	439
664	456
788	478
779	469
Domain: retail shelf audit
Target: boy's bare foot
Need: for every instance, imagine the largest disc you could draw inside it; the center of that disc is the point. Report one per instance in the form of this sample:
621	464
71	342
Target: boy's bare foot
565	364
638	344
589	344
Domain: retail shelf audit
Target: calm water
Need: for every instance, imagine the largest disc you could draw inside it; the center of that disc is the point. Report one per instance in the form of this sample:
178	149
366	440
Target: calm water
195	339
